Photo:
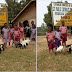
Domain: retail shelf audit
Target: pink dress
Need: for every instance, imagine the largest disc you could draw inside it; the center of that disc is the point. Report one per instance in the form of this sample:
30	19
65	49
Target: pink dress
9	35
50	39
63	30
12	31
21	32
5	31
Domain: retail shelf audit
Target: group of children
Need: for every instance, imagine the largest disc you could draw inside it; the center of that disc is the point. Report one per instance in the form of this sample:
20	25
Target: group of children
15	34
54	38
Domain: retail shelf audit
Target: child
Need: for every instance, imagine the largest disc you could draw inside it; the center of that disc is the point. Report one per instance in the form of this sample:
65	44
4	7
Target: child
16	25
63	30
57	37
50	39
12	31
16	36
33	32
32	23
27	30
21	28
9	36
5	35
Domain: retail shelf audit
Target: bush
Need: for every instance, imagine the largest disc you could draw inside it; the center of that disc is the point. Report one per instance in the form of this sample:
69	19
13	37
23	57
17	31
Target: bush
41	33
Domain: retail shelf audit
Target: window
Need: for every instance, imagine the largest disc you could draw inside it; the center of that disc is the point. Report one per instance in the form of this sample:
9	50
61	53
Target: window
56	20
69	5
53	8
1	5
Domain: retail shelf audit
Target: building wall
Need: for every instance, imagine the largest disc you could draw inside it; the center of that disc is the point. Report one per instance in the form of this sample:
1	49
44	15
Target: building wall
1	5
28	14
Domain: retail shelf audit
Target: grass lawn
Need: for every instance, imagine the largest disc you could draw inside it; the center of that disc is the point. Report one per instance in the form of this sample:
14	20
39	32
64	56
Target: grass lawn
16	59
45	62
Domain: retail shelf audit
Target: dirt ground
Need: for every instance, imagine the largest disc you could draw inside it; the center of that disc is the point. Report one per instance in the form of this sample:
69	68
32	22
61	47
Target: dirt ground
52	63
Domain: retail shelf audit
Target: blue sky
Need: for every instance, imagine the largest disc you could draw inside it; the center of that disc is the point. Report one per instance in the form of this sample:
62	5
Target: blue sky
42	9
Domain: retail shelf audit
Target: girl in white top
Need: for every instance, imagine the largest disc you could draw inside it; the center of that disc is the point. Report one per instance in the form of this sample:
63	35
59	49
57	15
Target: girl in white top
33	32
5	31
57	38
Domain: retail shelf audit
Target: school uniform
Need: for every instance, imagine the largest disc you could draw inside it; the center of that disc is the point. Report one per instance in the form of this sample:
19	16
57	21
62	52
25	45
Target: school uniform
63	30
50	39
27	31
12	31
16	37
5	31
21	32
57	38
33	31
9	35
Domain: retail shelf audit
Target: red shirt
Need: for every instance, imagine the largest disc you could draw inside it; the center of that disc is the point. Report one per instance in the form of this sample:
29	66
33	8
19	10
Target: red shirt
15	28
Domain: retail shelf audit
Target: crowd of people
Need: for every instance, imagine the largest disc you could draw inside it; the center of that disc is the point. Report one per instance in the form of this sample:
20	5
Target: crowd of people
13	35
54	38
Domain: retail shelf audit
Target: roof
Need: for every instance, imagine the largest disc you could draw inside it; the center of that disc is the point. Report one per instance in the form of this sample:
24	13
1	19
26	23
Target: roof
23	9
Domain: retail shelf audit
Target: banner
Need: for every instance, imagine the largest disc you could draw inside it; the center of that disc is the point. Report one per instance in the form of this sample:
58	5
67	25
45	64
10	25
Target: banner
3	14
61	12
67	19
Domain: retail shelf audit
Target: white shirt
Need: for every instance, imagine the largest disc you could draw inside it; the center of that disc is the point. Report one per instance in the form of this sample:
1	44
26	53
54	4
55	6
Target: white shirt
57	34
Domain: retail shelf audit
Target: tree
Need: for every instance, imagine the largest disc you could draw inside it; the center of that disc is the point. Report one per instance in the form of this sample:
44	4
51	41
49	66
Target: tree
14	8
42	30
47	17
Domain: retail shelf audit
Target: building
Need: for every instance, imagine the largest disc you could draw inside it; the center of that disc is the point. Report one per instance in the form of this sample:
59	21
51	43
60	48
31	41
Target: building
1	5
28	13
61	11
